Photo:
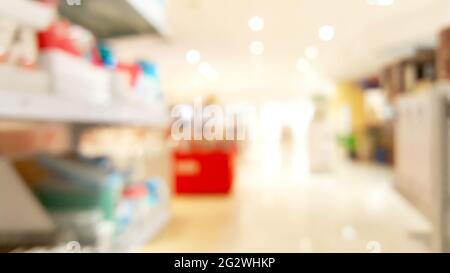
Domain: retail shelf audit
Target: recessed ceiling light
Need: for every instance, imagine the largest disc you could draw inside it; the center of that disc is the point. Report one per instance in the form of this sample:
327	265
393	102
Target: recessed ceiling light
326	33
383	3
257	48
311	52
193	56
256	23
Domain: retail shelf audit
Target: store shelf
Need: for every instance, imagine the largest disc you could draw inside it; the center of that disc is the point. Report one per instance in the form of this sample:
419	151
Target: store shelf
132	240
42	107
113	18
140	233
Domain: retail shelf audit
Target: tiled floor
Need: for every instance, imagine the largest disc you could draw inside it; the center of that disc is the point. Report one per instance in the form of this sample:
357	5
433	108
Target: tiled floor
277	206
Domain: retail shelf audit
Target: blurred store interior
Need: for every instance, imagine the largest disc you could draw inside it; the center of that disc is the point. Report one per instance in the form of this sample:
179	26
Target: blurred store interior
224	126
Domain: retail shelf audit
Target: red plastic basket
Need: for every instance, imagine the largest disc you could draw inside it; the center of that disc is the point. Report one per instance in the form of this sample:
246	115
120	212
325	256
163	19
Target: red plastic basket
204	171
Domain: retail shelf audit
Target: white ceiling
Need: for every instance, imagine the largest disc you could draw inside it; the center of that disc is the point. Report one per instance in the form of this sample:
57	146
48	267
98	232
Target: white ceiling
366	36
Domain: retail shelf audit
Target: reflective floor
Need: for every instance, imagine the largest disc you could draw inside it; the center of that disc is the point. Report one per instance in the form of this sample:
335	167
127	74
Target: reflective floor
277	206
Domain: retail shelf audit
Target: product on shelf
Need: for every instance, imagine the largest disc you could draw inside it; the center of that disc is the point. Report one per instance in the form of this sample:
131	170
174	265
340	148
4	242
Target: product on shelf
138	83
7	31
424	62
69	54
392	80
75	79
18	44
125	79
57	36
33	14
93	203
74	66
410	74
104	56
443	56
18	57
80	196
18	139
19	50
149	87
52	177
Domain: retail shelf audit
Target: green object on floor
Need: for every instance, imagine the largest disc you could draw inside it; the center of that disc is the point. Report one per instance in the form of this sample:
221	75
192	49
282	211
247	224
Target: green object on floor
349	143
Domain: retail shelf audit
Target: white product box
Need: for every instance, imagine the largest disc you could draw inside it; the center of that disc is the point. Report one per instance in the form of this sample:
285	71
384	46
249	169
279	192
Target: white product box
18	44
28	13
14	78
121	89
147	93
75	79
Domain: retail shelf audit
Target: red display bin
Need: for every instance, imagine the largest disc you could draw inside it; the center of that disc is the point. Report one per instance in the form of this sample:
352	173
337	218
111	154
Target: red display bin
204	171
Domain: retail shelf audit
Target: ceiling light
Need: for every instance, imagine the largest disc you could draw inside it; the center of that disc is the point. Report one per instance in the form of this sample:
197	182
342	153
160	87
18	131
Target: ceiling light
311	52
256	23
193	56
257	48
326	33
383	3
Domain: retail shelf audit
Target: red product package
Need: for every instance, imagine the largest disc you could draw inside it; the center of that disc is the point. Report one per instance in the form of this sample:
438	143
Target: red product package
133	70
136	191
57	36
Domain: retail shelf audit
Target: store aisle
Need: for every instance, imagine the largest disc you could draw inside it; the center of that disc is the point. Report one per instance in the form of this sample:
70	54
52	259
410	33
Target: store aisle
277	207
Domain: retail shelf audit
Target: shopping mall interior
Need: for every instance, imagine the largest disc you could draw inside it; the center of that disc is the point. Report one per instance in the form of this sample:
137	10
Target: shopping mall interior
218	126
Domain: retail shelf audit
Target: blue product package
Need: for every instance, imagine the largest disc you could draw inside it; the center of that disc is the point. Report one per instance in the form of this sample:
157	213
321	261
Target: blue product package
153	189
107	56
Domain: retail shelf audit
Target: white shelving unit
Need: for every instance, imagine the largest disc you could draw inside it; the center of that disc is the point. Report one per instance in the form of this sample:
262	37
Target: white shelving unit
423	156
47	107
27	104
16	105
